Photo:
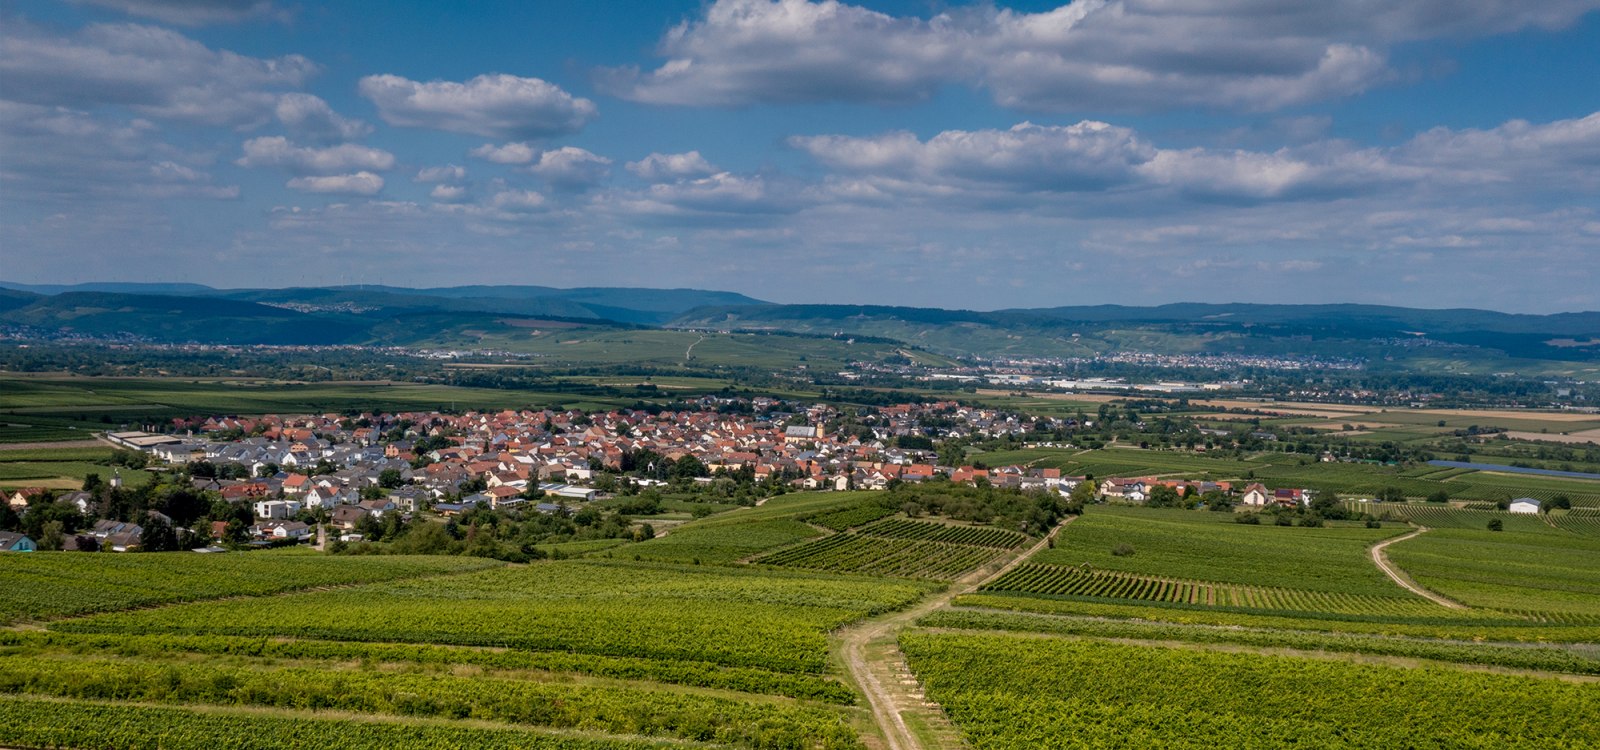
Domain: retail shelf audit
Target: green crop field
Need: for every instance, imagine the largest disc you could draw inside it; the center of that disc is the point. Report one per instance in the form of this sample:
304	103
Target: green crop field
1551	574
884	556
1440	516
840	520
775	622
1565	658
1193	545
577	653
1109	462
982	536
29	400
1489	486
1055	580
726	542
47	585
33	722
1007	691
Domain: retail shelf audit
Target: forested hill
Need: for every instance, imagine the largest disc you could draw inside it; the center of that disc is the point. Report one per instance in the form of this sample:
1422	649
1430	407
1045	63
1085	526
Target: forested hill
1433	340
1354	331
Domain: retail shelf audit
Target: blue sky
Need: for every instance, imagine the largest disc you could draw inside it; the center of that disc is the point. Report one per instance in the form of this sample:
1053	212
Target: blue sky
1437	154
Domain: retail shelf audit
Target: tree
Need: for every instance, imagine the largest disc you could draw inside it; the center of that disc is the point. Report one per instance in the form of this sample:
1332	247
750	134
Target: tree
390	479
1391	495
1496	525
689	467
1162	496
92	483
50	538
1442	496
1559	501
1086	492
158	536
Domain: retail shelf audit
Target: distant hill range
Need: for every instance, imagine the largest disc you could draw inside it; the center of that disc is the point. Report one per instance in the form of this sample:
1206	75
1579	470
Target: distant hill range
403	316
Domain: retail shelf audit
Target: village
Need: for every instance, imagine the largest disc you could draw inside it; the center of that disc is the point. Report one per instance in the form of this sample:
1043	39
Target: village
341	472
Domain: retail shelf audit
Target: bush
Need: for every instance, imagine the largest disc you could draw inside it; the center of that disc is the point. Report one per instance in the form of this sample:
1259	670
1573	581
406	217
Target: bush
1373	523
1496	524
1311	522
1248	518
1122	550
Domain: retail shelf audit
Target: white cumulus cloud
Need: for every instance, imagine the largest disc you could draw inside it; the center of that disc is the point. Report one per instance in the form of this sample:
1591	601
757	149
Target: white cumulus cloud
1125	54
659	167
510	153
360	183
496	106
310	116
277	151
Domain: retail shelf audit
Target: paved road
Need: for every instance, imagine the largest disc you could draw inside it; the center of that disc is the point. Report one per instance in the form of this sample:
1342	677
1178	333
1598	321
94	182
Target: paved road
1399	576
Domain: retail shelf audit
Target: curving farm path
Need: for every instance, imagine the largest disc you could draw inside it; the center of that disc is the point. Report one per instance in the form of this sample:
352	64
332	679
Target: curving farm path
1399	577
893	692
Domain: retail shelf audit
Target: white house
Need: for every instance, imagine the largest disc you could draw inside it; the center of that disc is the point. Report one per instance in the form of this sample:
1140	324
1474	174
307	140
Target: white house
277	508
1524	505
1256	496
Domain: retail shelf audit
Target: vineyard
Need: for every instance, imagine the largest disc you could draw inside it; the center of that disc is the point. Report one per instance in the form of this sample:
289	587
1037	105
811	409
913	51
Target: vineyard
710	656
1545	658
493	696
50	723
1206	546
1491	486
937	532
851	517
1008	691
1551	572
874	555
1588	525
49	585
1056	580
1440	516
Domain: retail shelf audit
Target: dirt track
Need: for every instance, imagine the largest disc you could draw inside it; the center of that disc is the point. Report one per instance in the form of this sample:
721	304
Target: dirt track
887	695
1399	576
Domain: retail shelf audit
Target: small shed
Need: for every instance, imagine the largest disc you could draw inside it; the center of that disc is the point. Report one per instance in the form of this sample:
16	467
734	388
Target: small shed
1526	505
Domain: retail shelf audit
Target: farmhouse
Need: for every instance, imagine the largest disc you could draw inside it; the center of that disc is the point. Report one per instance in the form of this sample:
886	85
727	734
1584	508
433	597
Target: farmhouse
1526	505
1256	495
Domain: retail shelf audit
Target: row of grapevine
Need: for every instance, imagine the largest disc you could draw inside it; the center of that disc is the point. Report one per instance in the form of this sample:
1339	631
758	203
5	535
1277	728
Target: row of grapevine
1058	580
677	672
1022	691
46	585
50	723
731	617
1578	524
1441	516
851	517
642	710
982	536
1547	658
906	558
